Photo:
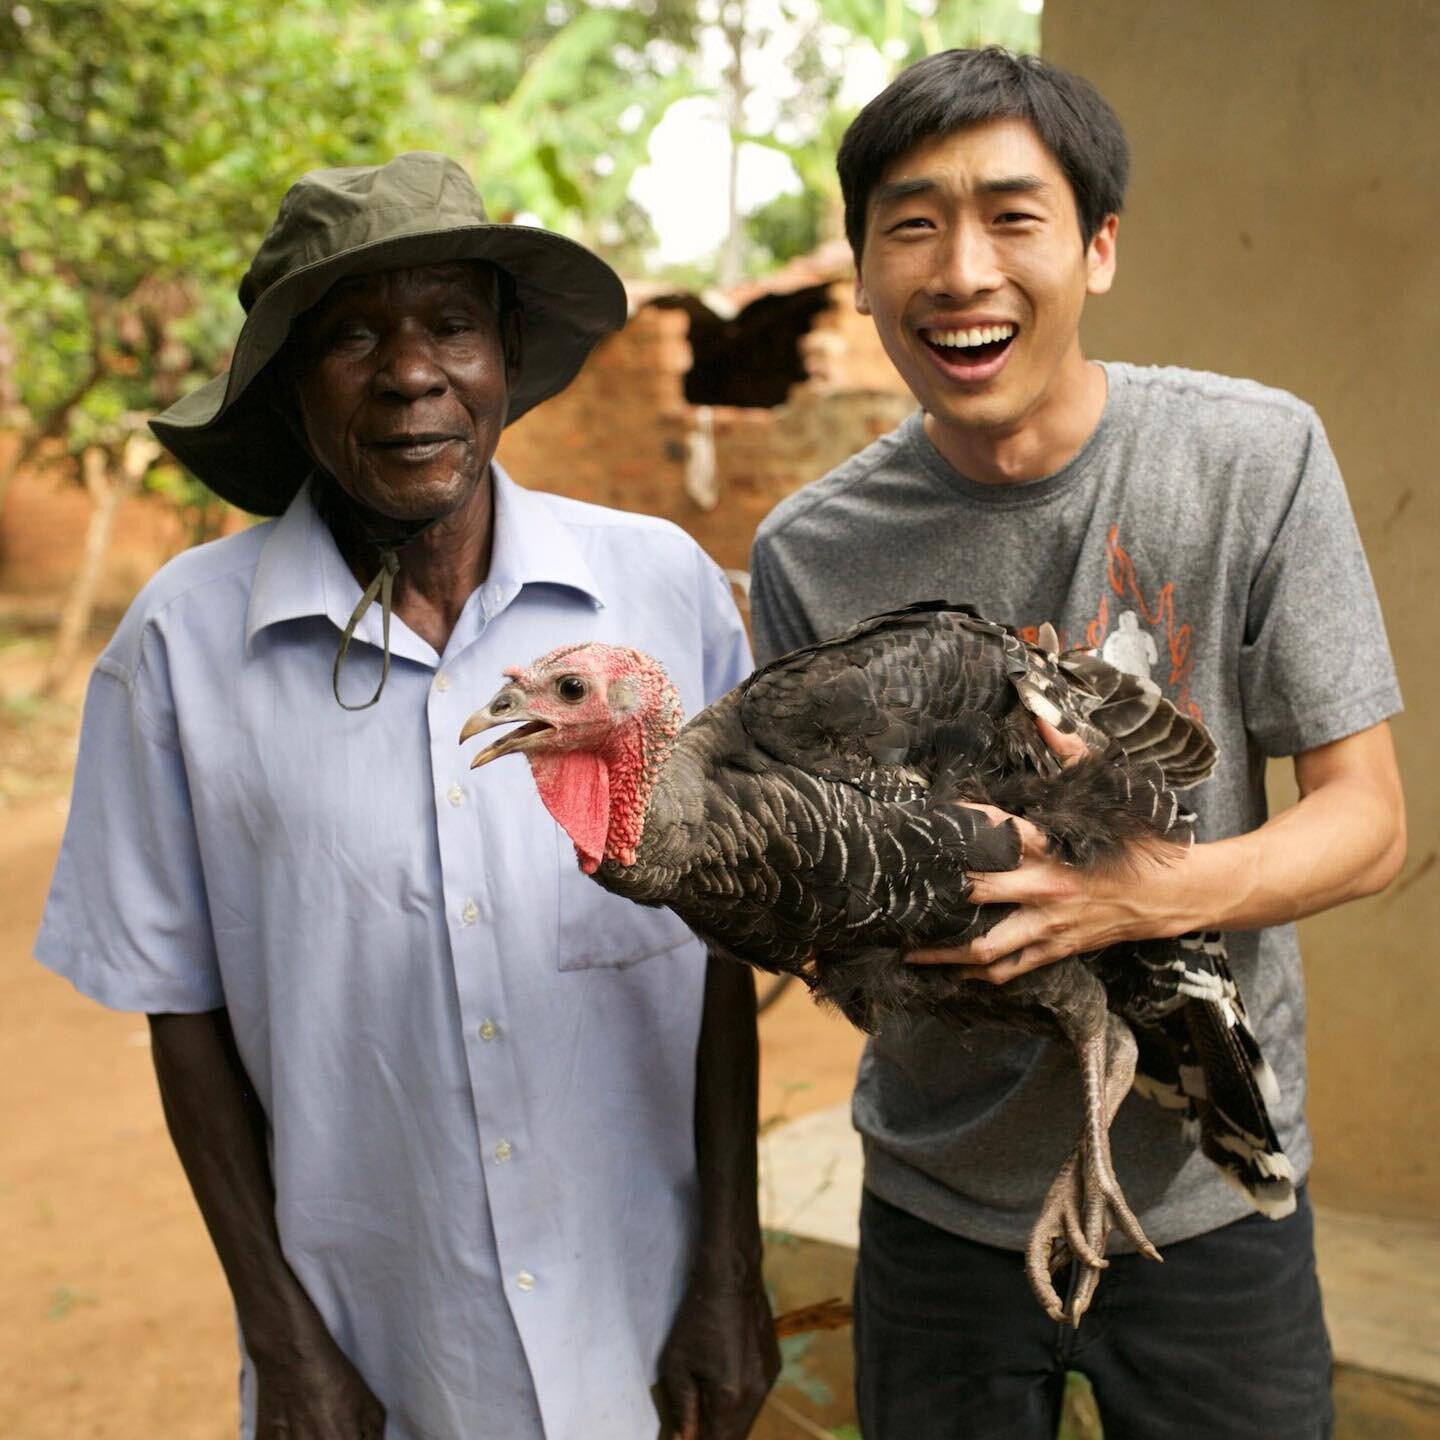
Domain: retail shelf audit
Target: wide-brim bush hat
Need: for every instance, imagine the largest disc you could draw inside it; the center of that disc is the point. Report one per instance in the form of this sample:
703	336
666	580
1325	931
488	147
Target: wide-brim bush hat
419	209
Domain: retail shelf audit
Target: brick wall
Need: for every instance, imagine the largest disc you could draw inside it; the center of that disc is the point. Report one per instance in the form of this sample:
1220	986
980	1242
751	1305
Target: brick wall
622	434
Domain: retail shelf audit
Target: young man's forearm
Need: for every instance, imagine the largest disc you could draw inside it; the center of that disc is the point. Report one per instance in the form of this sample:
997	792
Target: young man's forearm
1344	839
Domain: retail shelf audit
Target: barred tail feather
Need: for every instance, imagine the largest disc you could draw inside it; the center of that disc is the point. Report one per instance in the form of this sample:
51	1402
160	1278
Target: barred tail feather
1200	1060
1235	1128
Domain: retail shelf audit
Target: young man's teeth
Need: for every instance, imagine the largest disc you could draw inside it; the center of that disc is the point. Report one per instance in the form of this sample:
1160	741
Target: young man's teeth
978	335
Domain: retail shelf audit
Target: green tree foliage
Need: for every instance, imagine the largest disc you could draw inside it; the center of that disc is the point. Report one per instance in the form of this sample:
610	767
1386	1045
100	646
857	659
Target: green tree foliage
905	31
143	144
551	102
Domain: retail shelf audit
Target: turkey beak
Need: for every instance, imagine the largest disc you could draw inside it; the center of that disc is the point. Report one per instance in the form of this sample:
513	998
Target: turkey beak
505	709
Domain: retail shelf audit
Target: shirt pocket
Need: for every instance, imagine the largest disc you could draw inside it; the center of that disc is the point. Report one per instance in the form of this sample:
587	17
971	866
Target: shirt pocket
598	929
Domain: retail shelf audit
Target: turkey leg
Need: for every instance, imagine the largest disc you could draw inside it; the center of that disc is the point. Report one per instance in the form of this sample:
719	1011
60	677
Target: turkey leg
1085	1202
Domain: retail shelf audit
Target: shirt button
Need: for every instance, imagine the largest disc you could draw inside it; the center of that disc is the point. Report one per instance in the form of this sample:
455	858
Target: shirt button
487	1030
469	912
525	1280
455	795
442	681
503	1151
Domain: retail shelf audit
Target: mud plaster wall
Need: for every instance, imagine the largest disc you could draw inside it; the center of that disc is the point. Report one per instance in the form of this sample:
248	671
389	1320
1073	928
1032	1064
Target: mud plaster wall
623	435
1281	225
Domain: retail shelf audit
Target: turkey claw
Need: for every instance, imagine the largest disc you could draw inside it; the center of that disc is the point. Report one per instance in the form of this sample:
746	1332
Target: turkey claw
1084	1203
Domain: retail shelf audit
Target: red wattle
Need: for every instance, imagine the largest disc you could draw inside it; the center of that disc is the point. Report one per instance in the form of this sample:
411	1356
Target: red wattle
576	790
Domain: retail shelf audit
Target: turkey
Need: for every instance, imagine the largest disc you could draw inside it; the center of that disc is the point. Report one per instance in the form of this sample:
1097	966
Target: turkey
817	820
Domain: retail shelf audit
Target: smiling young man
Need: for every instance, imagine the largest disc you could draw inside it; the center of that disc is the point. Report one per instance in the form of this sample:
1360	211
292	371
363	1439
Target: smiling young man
1195	530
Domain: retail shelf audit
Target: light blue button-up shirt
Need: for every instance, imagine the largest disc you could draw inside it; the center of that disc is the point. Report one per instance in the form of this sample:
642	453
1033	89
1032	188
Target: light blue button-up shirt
478	1065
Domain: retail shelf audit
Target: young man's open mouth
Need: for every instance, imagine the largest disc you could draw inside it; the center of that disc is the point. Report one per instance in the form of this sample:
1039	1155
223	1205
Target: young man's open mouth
970	352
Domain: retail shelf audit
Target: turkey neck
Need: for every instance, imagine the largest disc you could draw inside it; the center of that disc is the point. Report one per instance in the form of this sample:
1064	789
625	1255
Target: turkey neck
652	838
634	760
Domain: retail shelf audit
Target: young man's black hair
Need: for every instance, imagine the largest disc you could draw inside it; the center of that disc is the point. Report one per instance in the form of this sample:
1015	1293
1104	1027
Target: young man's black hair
958	88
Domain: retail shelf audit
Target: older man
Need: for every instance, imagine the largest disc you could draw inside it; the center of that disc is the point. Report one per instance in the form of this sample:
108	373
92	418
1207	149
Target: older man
474	1140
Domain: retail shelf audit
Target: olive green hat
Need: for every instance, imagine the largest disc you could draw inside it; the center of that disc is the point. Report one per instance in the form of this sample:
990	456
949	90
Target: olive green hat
419	209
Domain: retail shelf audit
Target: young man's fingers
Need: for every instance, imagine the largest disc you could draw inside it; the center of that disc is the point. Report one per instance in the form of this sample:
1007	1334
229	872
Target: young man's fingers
1066	748
1034	843
1019	963
1011	934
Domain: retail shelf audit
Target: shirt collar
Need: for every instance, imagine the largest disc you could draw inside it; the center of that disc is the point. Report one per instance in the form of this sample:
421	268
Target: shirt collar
532	547
302	573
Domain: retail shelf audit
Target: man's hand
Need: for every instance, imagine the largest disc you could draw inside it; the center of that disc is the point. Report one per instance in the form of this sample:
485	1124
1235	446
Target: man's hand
1058	912
317	1396
719	1362
1343	839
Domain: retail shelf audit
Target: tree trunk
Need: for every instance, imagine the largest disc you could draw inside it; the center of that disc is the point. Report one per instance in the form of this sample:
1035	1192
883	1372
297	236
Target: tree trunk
106	490
732	261
51	428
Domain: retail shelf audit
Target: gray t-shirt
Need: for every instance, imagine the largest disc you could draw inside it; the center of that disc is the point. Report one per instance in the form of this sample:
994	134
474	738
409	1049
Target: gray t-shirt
1201	536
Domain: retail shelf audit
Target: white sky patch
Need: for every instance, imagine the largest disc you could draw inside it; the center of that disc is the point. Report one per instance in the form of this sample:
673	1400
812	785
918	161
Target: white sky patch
683	187
865	75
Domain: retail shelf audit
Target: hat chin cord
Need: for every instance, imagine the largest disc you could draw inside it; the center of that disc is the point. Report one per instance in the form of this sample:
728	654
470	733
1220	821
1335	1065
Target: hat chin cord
382	533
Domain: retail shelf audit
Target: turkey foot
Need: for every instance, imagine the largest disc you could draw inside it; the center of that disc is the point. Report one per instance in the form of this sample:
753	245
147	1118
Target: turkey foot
1085	1202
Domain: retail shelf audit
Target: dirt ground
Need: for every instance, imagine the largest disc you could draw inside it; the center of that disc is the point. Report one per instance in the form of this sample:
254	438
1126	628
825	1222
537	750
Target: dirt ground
117	1323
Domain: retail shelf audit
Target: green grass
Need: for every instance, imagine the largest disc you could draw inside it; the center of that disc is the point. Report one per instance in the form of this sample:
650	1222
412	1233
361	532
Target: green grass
1079	1418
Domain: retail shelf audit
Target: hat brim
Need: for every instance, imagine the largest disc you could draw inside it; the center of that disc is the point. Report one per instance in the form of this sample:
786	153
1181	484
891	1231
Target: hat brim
229	435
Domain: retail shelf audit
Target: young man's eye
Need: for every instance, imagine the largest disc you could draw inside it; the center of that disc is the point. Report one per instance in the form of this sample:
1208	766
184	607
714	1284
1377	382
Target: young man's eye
1015	217
913	222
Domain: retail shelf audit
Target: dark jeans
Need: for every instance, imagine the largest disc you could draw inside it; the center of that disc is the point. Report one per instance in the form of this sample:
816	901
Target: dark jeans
1224	1341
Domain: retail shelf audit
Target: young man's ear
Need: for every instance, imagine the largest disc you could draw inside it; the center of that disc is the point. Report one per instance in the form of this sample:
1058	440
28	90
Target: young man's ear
862	300
1100	257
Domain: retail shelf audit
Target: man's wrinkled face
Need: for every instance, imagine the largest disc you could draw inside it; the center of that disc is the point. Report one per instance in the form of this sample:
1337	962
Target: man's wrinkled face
975	274
403	381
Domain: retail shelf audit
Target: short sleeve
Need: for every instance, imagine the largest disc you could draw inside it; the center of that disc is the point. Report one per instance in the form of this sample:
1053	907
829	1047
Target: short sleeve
1315	665
777	619
127	920
726	648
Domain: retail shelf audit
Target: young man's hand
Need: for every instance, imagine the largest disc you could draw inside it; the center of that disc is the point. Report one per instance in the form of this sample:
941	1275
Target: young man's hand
1343	839
1059	911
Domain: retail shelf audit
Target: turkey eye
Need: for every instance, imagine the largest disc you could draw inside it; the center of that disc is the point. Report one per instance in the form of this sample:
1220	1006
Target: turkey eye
572	689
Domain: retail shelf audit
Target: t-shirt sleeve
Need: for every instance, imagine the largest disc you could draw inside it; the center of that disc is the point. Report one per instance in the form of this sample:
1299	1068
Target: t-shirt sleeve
777	619
127	920
1315	665
727	649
